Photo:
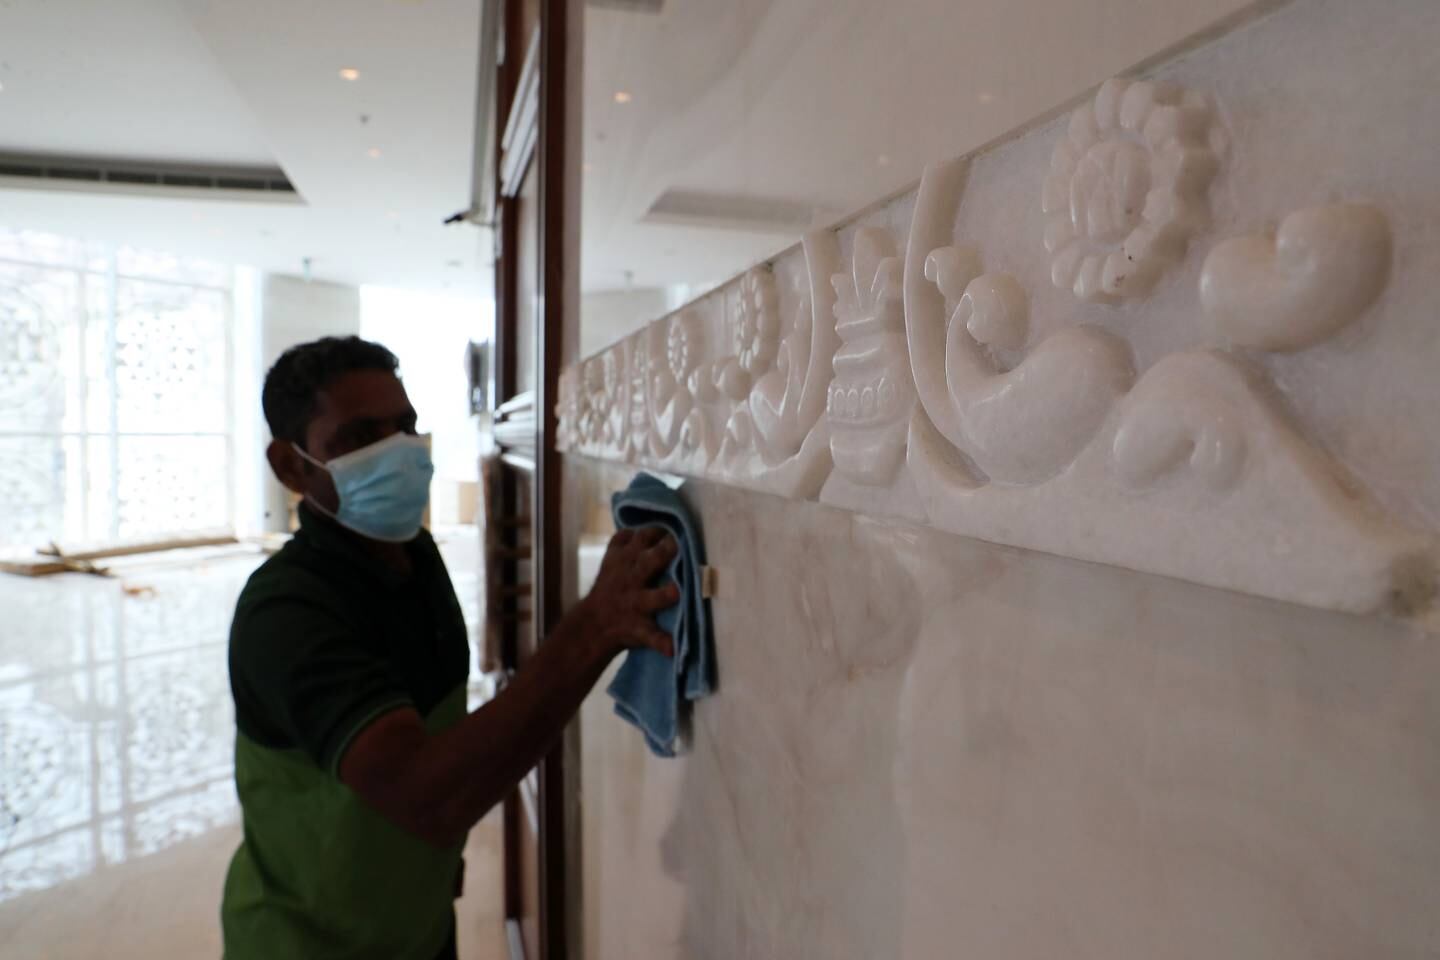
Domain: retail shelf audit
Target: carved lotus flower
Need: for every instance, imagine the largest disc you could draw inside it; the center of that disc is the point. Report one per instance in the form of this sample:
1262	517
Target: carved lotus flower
590	404
755	338
594	374
755	321
601	398
683	345
1127	187
611	375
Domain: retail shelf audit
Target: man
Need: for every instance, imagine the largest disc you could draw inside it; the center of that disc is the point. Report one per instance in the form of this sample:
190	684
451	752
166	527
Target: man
358	769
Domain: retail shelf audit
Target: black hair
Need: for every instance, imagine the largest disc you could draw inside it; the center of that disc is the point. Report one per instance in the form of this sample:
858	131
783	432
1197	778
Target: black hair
292	386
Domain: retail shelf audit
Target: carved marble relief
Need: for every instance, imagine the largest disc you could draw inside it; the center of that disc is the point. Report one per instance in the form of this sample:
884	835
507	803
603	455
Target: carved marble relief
780	422
670	400
872	395
787	402
1127	188
1021	425
922	375
641	360
567	410
1293	287
606	401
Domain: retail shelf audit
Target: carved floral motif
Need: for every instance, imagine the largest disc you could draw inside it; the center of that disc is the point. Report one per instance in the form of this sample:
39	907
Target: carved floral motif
755	334
641	360
1126	188
757	321
602	414
684	345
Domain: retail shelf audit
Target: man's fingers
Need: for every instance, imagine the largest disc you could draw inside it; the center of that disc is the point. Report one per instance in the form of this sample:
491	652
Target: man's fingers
661	598
657	558
658	640
622	538
651	536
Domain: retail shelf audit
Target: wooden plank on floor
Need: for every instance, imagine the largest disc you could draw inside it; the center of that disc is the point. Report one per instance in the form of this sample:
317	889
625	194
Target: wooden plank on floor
35	565
137	547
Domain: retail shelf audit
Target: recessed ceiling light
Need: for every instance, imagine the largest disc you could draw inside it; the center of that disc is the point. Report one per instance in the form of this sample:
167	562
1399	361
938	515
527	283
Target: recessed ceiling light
622	96
349	73
883	160
985	96
373	153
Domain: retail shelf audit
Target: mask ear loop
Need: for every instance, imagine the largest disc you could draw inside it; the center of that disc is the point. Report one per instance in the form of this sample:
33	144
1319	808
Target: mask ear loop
314	504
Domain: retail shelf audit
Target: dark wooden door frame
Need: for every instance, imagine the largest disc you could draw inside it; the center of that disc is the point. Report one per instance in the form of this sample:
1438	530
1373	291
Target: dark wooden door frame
531	110
507	73
549	329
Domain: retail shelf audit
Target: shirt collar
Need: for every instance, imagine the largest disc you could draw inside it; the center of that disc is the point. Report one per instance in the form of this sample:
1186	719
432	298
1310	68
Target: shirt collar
330	538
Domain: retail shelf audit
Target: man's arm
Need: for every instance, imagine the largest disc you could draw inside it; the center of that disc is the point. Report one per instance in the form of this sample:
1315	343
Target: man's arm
438	786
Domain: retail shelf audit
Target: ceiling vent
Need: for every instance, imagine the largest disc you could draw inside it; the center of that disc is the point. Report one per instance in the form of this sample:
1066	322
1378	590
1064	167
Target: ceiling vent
630	6
153	179
725	211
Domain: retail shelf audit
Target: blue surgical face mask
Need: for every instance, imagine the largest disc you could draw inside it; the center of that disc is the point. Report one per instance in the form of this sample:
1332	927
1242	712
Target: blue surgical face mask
384	488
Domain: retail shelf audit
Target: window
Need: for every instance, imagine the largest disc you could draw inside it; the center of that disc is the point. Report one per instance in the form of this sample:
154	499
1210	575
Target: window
115	400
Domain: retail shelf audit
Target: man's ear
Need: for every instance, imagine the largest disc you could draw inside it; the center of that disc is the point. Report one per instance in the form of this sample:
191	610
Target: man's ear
288	465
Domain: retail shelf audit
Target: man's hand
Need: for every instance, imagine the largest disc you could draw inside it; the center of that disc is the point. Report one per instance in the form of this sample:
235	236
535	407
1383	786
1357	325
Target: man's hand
437	786
620	610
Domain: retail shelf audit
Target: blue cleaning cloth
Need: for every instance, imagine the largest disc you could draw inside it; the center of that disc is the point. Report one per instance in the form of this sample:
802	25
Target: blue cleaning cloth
651	690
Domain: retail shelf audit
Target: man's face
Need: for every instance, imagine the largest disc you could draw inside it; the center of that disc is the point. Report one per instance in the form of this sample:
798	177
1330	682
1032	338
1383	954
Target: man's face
357	409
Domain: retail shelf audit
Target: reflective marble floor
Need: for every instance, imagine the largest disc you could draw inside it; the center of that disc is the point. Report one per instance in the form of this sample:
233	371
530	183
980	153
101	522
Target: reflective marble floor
117	806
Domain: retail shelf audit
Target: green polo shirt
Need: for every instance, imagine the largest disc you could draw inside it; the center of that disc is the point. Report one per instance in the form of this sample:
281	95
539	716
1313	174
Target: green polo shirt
326	639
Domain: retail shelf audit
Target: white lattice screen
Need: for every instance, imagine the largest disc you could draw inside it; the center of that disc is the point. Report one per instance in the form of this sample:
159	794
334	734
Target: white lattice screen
115	400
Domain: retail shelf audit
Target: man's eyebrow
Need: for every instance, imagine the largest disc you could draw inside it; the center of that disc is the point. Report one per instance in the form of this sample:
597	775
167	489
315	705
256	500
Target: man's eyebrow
358	422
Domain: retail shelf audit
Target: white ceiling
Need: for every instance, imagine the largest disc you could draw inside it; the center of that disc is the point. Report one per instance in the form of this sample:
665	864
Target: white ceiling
817	103
832	104
256	83
670	63
827	104
120	79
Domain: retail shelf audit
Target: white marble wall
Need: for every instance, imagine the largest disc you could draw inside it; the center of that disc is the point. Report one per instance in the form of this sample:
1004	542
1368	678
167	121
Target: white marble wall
1186	327
934	745
926	746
